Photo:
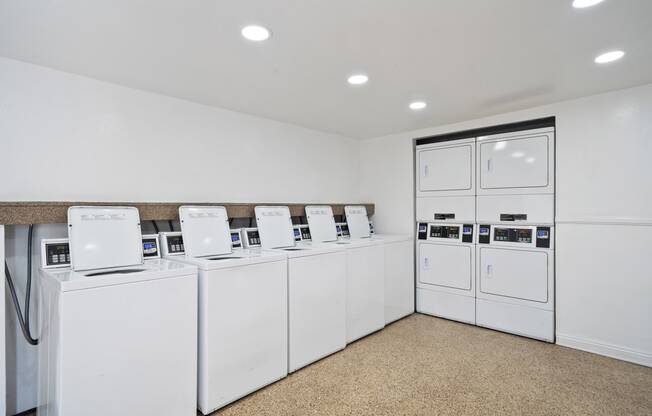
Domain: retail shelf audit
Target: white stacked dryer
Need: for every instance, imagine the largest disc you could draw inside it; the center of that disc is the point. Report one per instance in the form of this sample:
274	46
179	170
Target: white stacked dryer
242	307
365	267
515	251
316	281
445	207
446	270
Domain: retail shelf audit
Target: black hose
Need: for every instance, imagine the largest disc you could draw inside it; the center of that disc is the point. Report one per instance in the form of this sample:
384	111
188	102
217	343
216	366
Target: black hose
23	320
155	226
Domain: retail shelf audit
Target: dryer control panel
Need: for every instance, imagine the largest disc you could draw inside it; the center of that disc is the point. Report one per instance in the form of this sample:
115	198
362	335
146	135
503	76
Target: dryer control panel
532	236
463	232
297	233
422	231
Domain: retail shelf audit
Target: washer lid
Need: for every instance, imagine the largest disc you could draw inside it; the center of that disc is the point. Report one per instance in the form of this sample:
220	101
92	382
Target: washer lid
104	237
321	223
275	226
205	230
356	218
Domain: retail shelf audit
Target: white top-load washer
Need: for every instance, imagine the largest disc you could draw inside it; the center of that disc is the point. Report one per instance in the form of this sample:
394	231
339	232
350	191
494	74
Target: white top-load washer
242	308
398	263
117	332
316	288
516	284
365	284
446	271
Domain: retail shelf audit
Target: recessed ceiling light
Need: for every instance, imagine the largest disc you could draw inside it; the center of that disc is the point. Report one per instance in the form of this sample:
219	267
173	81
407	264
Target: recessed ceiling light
609	57
255	33
358	79
418	105
580	4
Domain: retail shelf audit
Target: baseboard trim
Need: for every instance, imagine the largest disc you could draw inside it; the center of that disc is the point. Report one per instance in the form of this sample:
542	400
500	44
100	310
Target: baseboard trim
608	350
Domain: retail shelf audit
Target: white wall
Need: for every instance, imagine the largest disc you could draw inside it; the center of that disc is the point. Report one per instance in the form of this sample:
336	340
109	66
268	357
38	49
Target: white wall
66	137
604	213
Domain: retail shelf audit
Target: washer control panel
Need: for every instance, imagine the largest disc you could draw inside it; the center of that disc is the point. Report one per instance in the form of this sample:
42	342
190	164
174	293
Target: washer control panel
343	230
297	233
305	232
55	253
445	231
150	247
236	240
172	243
251	237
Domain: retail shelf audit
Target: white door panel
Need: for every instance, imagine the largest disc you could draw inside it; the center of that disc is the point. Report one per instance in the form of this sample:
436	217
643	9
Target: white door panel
515	163
519	274
446	168
446	265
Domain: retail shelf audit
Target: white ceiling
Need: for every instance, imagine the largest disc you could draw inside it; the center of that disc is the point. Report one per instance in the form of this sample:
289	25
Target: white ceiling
465	58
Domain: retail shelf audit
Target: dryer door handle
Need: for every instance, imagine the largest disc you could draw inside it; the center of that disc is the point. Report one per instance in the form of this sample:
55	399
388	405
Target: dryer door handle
426	170
488	165
426	263
490	270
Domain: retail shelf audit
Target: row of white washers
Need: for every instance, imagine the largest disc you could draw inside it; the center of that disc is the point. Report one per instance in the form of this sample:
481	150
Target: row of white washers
485	231
262	312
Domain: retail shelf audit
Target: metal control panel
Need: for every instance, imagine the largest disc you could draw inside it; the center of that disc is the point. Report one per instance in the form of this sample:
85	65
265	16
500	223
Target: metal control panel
532	236
236	239
343	230
422	231
55	253
305	232
172	243
150	247
251	237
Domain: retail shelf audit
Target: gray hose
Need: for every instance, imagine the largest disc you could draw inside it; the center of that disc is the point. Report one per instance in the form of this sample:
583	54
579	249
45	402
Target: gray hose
23	320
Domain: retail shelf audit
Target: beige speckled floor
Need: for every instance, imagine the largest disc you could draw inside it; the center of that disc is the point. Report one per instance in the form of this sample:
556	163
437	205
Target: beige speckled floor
428	366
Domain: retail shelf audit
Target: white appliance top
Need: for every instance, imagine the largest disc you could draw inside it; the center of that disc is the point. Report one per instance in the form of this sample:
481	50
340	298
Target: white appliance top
205	230
304	249
104	237
321	223
67	280
275	226
391	238
358	221
236	259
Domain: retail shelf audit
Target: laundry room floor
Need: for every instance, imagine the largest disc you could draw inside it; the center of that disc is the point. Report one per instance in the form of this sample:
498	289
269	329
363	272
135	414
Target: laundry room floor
423	365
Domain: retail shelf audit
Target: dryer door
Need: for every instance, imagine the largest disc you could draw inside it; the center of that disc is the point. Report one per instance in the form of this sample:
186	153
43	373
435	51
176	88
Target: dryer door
446	169
446	265
515	163
513	273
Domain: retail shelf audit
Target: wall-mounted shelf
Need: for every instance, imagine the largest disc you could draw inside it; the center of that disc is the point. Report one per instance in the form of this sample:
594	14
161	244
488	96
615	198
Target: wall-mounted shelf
35	212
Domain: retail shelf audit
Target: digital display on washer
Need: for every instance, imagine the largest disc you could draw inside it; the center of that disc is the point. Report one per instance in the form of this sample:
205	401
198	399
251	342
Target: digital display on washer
542	234
150	247
513	235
